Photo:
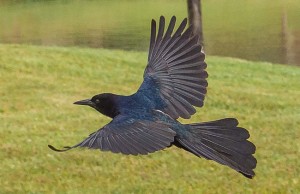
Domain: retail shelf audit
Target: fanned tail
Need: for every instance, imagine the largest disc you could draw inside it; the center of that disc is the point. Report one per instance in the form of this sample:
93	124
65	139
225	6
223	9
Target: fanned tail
223	142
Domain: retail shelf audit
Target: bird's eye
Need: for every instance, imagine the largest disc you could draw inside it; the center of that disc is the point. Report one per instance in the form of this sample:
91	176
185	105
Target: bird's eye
97	100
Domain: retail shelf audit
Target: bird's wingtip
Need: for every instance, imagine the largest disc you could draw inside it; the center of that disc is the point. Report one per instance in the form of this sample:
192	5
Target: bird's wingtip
66	148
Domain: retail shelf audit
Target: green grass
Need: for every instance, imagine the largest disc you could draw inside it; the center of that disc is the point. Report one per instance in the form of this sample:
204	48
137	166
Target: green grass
39	84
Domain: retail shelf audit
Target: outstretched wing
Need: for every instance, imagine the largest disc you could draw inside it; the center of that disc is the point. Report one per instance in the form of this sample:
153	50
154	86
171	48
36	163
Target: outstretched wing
176	64
129	136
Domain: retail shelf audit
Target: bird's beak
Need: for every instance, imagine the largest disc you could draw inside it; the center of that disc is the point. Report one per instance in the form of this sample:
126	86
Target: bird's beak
85	102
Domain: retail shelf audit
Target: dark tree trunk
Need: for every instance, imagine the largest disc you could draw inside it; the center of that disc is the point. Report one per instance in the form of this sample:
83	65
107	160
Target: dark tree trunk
195	18
287	37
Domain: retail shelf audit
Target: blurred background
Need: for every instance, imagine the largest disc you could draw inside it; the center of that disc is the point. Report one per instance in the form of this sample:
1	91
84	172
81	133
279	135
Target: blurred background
259	30
56	52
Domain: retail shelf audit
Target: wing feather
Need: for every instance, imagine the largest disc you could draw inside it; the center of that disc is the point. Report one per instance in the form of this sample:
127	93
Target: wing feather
128	135
176	64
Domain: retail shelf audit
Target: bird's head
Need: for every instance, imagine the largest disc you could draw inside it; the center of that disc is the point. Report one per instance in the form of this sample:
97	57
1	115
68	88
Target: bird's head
104	103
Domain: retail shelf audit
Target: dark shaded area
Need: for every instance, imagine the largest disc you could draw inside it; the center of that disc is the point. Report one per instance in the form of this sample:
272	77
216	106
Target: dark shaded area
195	18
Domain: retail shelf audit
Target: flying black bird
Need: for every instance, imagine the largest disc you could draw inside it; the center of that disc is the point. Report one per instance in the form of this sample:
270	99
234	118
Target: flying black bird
174	82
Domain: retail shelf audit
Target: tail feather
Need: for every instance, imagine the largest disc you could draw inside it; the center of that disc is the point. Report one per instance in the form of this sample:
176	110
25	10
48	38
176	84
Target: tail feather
223	142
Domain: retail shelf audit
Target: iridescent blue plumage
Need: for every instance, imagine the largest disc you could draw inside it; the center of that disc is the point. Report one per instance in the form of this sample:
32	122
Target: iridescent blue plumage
174	82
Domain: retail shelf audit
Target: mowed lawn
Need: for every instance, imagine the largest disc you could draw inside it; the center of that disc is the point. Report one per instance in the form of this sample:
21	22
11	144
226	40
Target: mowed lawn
39	84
